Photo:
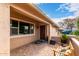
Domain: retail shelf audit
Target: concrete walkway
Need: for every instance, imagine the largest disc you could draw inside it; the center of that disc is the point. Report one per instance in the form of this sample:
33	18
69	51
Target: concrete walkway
34	50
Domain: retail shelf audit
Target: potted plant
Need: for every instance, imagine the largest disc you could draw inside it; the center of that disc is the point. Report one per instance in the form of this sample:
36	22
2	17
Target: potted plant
64	38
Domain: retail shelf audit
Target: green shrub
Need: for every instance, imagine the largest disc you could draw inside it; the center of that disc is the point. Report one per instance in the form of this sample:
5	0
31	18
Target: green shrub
75	32
64	38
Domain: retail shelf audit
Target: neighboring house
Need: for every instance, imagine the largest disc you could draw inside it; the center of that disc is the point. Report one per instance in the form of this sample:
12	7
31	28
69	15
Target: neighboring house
28	23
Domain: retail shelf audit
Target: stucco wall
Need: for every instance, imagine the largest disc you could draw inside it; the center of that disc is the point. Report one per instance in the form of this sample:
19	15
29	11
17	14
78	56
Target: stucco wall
20	40
54	34
4	29
53	31
75	44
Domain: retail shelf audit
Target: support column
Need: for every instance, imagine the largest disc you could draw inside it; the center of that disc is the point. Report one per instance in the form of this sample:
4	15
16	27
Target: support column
48	33
4	29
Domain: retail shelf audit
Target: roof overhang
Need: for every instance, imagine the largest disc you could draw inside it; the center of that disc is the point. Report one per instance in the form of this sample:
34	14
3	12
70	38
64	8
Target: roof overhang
32	11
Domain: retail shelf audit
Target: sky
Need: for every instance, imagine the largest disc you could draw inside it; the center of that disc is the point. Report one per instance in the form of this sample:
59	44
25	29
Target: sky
59	11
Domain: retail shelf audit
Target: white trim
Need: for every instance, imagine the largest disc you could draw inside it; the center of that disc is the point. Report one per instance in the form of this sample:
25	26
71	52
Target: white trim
18	27
19	35
14	27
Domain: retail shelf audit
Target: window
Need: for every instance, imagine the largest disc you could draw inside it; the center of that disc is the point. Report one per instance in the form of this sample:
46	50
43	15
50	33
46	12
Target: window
24	28
18	28
13	27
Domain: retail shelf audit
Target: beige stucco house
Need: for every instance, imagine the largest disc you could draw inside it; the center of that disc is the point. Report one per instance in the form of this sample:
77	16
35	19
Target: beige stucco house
28	24
23	23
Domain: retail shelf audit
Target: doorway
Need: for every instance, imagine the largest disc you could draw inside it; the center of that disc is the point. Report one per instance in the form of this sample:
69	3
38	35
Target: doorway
42	32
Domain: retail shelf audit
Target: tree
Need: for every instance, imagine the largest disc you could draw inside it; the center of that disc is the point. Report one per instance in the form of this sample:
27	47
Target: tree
61	24
69	23
78	23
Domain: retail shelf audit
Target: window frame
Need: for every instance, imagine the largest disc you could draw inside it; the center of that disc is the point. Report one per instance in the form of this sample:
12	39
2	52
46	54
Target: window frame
21	35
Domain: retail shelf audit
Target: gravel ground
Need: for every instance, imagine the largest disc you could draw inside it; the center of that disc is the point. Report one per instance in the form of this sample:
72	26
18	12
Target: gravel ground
34	50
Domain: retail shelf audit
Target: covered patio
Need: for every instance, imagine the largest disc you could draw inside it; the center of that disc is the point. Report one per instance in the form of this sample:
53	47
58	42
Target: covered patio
42	49
27	26
32	25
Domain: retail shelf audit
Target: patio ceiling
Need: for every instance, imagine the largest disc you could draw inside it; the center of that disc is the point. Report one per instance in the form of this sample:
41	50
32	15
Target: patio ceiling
26	13
14	14
32	11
